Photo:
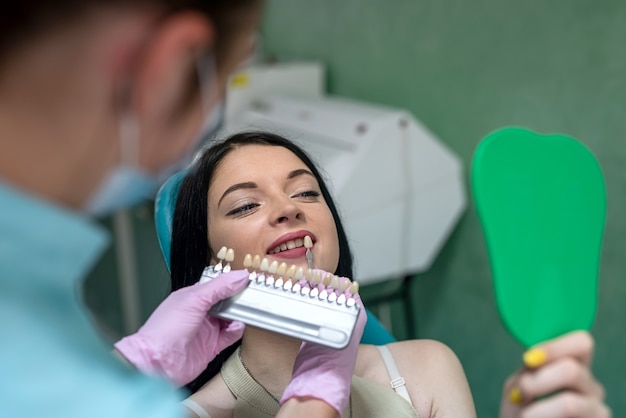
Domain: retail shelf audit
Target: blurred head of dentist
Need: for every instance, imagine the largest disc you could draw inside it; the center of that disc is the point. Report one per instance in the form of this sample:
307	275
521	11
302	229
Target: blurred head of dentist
100	101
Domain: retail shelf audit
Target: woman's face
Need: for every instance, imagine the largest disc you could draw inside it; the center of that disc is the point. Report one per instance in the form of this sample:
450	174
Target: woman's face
264	197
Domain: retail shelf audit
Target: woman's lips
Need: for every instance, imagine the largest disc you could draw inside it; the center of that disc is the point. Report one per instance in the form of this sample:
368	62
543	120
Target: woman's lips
290	242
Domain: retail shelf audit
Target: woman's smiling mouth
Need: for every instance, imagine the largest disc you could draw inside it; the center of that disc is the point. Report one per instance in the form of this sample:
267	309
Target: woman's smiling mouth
289	245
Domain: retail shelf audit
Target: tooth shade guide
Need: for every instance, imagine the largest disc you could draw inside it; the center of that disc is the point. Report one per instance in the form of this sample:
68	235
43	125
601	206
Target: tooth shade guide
291	271
308	242
221	254
230	255
282	269
292	296
265	264
354	288
328	278
273	267
299	274
247	261
345	284
256	262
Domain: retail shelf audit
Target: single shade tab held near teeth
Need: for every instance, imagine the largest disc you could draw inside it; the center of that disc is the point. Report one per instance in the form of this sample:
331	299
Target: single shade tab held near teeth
308	244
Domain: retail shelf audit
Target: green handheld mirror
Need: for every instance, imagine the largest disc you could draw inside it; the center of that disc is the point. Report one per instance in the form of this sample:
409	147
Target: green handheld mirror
541	201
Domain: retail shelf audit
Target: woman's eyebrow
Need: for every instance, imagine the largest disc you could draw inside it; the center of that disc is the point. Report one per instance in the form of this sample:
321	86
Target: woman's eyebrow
299	172
253	185
238	186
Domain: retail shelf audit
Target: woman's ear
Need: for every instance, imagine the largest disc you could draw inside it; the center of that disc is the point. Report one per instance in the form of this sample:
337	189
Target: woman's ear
164	99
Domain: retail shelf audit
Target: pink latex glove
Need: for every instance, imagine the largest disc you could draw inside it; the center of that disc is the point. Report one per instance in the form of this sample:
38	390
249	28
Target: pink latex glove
179	339
326	373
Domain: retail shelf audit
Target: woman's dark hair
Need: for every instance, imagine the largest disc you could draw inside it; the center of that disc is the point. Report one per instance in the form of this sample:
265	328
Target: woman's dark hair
24	19
190	252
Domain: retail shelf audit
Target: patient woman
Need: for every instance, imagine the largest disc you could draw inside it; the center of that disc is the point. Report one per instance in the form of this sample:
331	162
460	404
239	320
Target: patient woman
256	191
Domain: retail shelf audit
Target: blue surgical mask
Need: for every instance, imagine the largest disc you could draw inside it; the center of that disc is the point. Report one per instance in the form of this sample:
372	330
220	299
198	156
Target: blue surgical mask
127	185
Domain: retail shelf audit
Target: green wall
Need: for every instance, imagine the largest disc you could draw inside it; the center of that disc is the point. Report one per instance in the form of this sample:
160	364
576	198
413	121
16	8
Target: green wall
465	68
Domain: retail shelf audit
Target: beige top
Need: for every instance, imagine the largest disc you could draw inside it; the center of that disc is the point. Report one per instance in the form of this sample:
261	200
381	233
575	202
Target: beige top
368	399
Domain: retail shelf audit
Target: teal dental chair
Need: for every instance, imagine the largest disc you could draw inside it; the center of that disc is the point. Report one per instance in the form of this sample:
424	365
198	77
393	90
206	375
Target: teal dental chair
164	205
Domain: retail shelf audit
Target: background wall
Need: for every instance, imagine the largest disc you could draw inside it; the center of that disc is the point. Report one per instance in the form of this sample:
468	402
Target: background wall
464	68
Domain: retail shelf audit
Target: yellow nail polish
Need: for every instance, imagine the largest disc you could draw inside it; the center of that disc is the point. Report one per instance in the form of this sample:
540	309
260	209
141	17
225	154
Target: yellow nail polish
515	396
535	357
240	80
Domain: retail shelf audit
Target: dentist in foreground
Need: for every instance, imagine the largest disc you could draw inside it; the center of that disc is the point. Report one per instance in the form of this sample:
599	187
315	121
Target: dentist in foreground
99	103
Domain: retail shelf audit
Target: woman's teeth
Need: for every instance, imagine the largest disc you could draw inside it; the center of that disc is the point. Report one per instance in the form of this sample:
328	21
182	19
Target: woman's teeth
289	245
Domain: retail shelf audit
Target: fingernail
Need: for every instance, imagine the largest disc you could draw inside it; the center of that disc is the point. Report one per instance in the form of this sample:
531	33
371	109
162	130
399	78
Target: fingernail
535	357
515	396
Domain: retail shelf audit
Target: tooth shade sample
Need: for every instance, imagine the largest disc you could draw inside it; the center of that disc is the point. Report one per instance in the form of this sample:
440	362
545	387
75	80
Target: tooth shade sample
282	269
265	264
247	261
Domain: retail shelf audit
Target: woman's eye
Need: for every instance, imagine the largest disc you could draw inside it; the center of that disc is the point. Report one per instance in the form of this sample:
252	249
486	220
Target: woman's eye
242	210
309	194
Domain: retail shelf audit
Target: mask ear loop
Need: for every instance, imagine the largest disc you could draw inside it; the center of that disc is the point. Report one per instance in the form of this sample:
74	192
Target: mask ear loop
129	139
128	129
207	73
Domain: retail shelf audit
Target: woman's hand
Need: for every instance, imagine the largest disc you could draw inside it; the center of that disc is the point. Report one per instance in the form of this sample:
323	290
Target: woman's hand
179	339
556	382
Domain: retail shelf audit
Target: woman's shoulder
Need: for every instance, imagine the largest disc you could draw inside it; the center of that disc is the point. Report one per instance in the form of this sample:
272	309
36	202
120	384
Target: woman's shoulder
423	356
432	372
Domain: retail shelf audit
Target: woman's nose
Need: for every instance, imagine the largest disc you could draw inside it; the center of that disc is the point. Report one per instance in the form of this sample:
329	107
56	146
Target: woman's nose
287	211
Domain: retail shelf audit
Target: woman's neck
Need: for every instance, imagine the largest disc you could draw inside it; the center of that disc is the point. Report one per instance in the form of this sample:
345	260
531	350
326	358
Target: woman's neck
269	357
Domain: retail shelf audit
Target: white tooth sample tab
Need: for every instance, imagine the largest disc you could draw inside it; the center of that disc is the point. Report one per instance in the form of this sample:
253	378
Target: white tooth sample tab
265	264
308	242
247	261
230	255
